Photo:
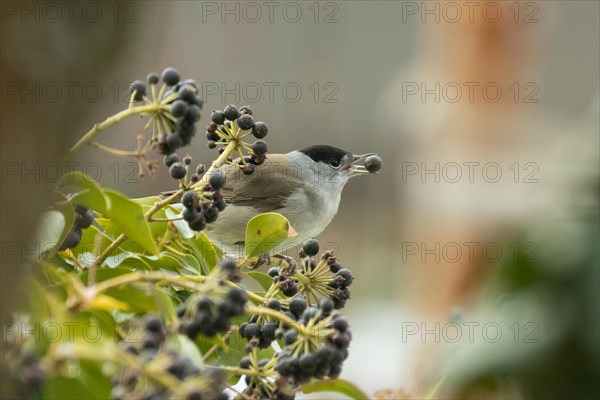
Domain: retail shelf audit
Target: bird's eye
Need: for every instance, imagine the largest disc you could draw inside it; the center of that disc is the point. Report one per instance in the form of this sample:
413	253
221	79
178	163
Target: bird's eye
335	163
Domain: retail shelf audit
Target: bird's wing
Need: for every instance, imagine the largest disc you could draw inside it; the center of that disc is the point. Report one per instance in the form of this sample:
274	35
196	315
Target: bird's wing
260	190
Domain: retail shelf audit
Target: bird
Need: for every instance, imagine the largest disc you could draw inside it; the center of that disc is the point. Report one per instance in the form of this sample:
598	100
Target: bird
305	186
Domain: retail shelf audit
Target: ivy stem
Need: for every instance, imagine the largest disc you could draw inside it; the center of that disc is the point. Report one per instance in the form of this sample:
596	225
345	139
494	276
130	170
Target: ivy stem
280	317
87	138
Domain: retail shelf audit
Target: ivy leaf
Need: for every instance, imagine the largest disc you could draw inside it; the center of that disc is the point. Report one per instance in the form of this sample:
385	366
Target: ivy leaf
91	194
264	280
334	385
51	231
265	232
128	216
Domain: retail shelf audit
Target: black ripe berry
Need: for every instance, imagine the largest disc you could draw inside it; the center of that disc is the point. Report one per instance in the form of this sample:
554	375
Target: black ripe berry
290	336
87	218
73	238
260	130
179	108
373	164
174	141
340	324
245	121
139	87
346	275
245	110
193	114
187	93
259	148
211	214
297	306
335	267
190	199
217	180
152	78
198	225
252	330
245	362
217	117
231	112
248	169
177	170
273	272
311	247
170	76
170	159
274	304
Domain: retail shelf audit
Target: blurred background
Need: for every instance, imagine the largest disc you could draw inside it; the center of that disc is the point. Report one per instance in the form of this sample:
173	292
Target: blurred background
475	249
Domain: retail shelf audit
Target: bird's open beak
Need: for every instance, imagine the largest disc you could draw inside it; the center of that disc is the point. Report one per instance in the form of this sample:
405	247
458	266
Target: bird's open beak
357	165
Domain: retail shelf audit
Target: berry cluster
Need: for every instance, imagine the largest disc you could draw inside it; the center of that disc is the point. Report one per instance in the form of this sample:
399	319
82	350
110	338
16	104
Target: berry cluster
175	127
315	279
233	123
317	346
83	219
203	209
133	383
210	309
260	332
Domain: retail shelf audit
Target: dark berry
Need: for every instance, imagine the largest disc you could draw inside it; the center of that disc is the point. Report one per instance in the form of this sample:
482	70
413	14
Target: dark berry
259	148
326	305
335	267
248	169
231	112
151	341
153	323
217	117
139	87
274	304
73	238
324	354
245	121
174	141
245	110
273	272
229	267
193	114
187	160
211	144
170	76
307	363
217	180
346	275
198	225
245	362
190	215
187	93
179	108
152	78
260	130
290	336
190	199
373	164
177	170
212	136
87	218
297	306
252	330
268	331
211	214
311	247
340	324
309	314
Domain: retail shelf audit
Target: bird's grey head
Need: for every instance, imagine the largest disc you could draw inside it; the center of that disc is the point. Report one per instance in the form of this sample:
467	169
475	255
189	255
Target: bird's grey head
328	166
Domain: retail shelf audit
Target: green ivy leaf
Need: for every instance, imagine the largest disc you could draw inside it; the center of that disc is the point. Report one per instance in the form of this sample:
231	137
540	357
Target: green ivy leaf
128	216
91	195
264	280
51	230
265	232
206	253
335	385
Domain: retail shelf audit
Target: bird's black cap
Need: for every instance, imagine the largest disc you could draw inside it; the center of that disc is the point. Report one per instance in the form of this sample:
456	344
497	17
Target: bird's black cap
324	153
